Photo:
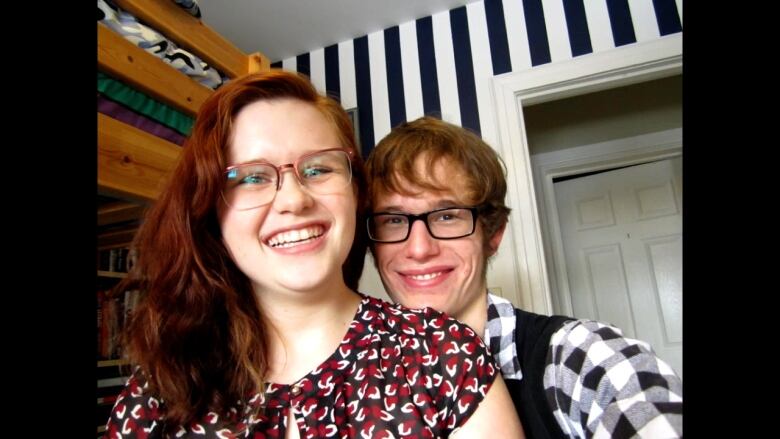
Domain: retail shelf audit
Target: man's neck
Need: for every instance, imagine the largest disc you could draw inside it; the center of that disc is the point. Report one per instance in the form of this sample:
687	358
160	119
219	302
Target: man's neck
475	315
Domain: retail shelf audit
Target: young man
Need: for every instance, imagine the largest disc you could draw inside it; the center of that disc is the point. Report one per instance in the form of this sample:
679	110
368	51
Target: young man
567	377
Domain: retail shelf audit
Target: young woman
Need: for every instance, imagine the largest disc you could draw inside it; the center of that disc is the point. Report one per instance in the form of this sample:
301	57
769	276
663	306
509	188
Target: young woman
251	325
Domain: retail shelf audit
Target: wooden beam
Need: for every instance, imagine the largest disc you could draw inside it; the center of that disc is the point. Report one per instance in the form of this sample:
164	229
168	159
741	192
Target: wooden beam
190	33
116	238
149	74
131	162
258	63
119	212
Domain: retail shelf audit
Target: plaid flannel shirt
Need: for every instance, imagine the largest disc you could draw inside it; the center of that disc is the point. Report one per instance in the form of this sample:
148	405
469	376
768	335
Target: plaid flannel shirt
598	383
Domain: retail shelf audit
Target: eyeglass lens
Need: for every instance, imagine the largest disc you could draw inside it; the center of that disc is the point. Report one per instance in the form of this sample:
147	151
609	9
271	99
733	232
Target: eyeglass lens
442	224
255	184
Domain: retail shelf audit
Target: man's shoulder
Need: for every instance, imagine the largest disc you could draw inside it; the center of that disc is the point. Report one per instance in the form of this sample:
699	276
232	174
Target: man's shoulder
521	313
599	346
533	325
592	365
561	327
584	331
538	334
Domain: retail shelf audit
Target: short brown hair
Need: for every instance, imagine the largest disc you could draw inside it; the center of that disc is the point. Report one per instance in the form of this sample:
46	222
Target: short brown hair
393	160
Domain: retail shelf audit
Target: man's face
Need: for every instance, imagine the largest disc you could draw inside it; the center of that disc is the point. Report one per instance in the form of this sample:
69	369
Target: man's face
447	275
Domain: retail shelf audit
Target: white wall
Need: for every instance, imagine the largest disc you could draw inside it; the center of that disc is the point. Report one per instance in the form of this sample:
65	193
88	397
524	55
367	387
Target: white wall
471	45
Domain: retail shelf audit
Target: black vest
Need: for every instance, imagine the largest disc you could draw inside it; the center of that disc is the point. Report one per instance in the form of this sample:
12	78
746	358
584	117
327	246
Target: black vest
532	338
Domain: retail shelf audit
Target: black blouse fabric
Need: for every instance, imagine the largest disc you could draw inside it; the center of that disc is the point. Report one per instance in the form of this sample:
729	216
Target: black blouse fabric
396	373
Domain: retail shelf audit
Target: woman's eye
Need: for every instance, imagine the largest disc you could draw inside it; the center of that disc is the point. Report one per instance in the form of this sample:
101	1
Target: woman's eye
255	179
315	172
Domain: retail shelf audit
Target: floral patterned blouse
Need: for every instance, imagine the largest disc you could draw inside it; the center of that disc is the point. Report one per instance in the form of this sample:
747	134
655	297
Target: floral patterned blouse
396	373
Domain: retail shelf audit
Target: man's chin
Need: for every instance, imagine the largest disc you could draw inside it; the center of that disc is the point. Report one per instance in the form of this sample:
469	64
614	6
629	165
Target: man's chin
416	300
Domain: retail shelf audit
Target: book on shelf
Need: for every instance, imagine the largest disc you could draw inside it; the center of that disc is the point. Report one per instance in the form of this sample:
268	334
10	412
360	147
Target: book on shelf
110	326
114	310
132	258
117	259
100	297
130	302
104	260
112	259
121	260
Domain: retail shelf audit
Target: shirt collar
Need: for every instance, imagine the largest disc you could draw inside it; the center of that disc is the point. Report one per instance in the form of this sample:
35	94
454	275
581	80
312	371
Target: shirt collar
500	336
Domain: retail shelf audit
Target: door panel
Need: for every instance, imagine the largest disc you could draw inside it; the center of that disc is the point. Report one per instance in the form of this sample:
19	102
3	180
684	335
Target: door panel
622	238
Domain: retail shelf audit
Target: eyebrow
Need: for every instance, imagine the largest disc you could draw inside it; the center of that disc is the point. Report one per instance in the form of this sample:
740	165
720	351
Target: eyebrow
249	162
262	160
439	204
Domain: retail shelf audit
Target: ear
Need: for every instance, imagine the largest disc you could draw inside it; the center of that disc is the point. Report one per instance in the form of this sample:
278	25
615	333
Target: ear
495	240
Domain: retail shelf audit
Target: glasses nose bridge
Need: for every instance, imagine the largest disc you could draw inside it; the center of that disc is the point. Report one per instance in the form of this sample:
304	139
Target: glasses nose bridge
280	171
423	217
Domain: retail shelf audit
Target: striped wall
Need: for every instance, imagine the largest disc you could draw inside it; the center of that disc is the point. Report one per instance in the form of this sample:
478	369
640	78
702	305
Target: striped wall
442	64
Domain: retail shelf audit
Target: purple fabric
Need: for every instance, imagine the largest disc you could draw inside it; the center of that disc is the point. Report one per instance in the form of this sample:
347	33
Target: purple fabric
130	117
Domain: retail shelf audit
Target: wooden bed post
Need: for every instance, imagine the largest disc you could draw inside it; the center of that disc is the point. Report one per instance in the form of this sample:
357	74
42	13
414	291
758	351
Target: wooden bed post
257	62
133	164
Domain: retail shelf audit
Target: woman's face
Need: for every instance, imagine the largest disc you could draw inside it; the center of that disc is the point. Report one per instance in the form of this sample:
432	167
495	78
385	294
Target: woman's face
299	241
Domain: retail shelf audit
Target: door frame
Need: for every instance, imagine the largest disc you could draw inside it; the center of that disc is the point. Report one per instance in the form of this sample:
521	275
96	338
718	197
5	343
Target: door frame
625	65
612	154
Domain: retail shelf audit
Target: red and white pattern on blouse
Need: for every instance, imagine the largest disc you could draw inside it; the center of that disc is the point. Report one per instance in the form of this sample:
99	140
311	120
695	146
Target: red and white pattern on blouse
396	373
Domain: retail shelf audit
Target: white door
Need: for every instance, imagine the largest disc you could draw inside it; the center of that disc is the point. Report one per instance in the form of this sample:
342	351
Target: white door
622	238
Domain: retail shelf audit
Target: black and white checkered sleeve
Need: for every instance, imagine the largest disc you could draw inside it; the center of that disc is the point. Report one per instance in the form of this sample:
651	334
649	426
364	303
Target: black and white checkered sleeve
603	385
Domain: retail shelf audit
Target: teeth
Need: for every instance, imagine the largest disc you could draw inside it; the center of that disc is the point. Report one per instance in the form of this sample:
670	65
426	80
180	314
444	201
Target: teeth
427	276
295	237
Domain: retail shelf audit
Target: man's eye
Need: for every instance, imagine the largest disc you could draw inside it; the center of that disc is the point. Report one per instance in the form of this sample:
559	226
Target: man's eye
448	216
393	221
444	217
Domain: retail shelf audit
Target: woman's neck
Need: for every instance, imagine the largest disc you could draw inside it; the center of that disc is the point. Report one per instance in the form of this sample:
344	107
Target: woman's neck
305	329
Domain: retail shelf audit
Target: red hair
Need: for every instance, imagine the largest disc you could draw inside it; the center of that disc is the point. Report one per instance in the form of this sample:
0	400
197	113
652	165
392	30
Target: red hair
198	333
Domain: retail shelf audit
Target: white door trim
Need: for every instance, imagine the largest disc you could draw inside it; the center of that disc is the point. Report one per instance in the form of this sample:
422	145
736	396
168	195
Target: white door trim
617	67
599	156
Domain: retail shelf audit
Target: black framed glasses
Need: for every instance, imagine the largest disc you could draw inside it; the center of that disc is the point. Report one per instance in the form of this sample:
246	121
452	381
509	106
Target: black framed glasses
445	223
323	172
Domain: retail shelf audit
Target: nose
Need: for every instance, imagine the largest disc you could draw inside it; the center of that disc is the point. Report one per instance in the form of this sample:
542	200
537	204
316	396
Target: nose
421	245
291	196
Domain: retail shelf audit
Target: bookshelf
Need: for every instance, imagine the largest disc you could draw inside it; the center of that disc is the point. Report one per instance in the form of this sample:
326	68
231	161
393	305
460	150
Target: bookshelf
112	371
111	274
118	223
115	362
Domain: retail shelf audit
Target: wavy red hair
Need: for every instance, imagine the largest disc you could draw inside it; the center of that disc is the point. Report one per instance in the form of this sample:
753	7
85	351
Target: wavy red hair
198	333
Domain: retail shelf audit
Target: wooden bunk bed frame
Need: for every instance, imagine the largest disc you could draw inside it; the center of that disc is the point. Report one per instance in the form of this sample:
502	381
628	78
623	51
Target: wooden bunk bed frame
133	164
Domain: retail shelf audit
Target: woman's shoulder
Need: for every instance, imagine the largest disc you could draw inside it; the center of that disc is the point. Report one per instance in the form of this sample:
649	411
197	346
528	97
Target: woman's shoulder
421	322
139	411
135	408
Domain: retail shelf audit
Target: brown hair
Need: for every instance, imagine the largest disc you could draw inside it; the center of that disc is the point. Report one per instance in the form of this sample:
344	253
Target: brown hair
198	333
393	160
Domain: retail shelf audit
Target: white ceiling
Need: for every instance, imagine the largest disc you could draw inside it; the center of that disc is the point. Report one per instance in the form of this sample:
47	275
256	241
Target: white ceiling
285	28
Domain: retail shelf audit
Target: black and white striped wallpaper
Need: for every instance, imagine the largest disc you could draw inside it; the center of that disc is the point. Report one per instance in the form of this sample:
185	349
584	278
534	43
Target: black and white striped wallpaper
442	64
